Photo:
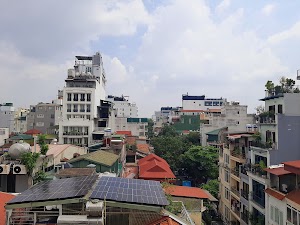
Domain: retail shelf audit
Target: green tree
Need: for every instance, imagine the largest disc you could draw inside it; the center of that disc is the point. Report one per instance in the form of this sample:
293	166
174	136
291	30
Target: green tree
193	138
169	148
212	186
29	159
269	85
42	143
201	163
168	131
150	128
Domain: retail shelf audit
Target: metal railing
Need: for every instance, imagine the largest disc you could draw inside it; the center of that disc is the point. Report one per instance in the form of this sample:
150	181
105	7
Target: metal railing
245	216
235	172
235	191
184	213
259	200
245	194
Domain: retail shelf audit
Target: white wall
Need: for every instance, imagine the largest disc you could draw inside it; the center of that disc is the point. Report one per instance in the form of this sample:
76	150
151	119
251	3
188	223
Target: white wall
4	134
200	104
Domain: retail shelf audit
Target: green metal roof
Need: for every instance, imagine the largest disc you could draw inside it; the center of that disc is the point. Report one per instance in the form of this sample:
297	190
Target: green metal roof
99	157
215	132
21	137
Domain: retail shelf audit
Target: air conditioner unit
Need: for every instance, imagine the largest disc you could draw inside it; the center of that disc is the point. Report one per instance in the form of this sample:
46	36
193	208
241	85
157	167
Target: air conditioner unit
4	169
94	208
19	169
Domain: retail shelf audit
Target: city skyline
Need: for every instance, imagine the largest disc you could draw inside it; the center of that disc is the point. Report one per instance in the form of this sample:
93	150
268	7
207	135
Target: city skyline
153	51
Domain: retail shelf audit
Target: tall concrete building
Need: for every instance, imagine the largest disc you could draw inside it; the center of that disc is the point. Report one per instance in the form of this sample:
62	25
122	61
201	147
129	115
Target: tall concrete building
7	116
122	106
20	120
190	102
44	116
83	99
251	173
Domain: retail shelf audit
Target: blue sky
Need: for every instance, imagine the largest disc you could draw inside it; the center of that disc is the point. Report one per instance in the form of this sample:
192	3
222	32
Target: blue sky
154	51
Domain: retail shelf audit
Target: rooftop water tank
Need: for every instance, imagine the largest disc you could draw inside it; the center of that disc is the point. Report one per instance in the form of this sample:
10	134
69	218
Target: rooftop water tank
17	149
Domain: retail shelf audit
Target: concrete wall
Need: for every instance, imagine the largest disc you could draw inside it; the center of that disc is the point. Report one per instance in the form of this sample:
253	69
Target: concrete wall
21	183
292	104
200	104
288	140
4	134
7	117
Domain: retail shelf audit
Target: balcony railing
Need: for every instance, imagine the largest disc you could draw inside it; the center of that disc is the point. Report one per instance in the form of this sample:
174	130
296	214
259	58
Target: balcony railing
235	172
256	169
245	194
259	200
245	216
235	191
75	133
268	145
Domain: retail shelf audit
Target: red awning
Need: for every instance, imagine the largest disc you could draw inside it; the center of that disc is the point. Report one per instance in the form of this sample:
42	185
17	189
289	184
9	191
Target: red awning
277	171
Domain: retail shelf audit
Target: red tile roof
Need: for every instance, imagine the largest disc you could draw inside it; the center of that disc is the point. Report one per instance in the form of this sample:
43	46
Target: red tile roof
295	163
277	171
275	194
154	167
184	191
124	132
131	140
294	196
4	198
150	158
164	221
33	132
145	148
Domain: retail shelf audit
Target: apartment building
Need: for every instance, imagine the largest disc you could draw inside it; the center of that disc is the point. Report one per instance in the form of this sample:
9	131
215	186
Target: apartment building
232	115
44	116
122	106
7	116
20	120
137	126
190	102
244	179
84	102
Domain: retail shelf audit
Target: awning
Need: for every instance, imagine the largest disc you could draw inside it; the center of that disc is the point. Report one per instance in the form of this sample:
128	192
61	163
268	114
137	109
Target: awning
277	171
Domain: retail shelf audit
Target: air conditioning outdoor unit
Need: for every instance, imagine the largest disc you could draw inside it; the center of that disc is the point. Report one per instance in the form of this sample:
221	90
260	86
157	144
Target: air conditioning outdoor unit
19	169
94	208
4	169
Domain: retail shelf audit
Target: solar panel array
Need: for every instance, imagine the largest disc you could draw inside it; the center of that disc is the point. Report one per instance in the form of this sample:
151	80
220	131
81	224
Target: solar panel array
57	189
130	190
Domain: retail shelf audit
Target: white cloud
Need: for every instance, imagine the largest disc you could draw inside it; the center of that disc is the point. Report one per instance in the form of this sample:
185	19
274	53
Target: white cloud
223	6
268	9
291	33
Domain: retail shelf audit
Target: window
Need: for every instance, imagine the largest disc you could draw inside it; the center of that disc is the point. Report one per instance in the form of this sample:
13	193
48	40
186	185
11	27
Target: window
82	108
75	108
292	215
216	103
40	116
226	158
69	97
208	103
88	117
51	124
226	190
276	215
279	107
75	98
40	124
88	97
50	107
237	122
68	107
88	108
68	116
227	213
82	97
40	107
226	176
52	116
238	112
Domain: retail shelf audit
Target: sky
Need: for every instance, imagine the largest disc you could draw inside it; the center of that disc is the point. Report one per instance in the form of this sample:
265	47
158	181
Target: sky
153	50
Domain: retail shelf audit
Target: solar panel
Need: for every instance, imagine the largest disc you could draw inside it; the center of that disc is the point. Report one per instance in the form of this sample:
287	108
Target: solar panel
57	189
130	190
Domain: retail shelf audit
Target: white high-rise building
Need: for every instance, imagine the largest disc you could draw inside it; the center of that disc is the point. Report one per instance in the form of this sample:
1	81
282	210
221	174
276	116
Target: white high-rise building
82	97
7	113
122	107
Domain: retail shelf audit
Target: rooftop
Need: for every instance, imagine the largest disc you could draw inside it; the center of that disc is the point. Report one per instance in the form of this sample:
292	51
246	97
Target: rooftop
275	194
188	192
294	196
277	171
124	132
144	148
4	198
99	157
33	132
76	172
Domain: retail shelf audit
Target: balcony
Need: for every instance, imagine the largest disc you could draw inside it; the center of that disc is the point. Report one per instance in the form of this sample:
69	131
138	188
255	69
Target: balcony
75	133
235	191
235	172
266	146
238	154
258	199
245	194
69	110
245	216
257	169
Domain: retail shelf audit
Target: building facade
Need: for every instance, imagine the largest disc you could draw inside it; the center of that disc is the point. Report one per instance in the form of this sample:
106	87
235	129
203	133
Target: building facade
20	120
122	106
82	98
190	102
7	116
251	175
44	116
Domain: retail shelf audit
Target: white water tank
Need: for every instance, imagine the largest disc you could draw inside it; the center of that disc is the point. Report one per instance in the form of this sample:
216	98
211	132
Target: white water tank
17	149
